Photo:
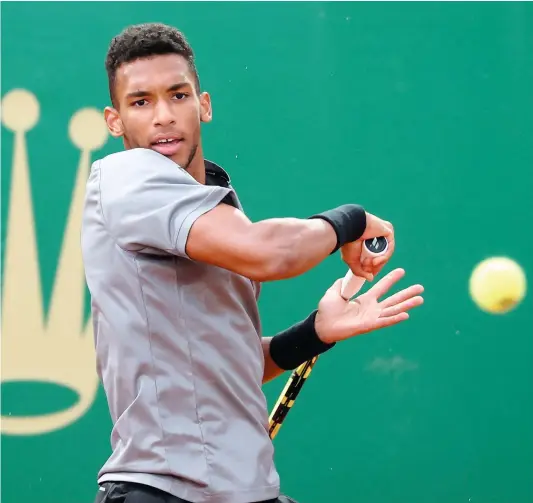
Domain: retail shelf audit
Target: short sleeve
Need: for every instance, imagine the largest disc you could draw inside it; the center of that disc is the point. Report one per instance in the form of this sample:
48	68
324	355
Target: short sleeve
149	203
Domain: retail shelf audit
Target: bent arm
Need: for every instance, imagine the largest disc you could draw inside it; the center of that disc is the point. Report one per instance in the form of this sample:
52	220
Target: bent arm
150	205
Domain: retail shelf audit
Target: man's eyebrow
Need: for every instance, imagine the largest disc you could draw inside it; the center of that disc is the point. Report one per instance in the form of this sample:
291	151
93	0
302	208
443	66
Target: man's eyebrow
177	87
137	94
174	87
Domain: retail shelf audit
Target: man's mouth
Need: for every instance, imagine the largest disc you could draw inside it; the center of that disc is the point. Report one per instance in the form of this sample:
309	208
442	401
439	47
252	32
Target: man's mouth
167	146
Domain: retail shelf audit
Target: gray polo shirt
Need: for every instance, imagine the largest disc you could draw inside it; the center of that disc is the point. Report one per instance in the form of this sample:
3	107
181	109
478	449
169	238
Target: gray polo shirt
178	342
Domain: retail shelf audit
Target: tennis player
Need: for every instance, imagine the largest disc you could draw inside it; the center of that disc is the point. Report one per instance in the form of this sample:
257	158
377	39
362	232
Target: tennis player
174	269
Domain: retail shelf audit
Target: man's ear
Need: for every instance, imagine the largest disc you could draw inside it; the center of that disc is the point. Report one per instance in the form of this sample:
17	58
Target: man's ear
206	111
114	124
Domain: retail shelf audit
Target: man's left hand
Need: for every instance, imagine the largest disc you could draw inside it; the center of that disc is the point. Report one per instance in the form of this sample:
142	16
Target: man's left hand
338	319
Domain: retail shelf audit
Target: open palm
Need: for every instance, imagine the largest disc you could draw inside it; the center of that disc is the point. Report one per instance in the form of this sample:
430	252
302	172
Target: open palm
338	319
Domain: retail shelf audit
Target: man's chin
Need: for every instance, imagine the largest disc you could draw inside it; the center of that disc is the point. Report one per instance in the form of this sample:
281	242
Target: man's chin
180	161
177	157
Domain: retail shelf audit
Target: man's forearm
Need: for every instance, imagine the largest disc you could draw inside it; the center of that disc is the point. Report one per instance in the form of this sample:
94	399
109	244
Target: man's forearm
292	347
293	245
299	245
271	369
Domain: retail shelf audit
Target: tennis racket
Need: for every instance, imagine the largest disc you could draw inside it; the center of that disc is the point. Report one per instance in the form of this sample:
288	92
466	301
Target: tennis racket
350	286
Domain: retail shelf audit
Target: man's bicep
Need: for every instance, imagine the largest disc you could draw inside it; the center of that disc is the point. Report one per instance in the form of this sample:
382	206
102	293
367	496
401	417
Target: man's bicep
224	237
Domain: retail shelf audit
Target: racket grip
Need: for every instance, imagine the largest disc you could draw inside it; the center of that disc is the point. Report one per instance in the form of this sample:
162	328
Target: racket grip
351	283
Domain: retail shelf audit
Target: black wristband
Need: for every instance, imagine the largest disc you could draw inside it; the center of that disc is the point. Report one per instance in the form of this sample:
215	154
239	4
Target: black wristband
297	344
349	222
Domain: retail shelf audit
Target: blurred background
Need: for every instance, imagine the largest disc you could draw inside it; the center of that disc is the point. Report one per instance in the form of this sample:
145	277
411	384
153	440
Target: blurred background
422	112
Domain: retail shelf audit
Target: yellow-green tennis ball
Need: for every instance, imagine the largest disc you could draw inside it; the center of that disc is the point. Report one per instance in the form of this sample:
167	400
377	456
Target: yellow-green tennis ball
497	285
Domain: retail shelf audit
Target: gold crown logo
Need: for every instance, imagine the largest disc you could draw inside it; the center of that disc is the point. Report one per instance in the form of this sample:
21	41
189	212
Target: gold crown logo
58	350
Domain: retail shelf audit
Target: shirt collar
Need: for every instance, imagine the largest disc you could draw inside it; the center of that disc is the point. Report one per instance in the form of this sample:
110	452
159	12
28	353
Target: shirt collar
218	173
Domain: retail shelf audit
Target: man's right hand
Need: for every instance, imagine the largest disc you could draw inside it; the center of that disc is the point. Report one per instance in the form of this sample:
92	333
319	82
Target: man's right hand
351	252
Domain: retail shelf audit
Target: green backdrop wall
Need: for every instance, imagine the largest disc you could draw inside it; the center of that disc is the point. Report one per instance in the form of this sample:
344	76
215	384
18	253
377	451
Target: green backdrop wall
420	111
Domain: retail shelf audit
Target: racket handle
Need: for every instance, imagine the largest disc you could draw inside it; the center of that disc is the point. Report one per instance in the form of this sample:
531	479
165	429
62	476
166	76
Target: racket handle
351	284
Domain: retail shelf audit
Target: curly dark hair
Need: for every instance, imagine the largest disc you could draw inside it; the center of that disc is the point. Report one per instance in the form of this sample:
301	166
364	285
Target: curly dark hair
145	40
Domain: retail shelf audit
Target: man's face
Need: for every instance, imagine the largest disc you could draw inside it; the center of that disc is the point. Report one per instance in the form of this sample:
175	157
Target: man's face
157	107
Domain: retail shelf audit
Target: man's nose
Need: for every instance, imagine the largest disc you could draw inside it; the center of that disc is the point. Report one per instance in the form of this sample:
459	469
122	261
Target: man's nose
163	115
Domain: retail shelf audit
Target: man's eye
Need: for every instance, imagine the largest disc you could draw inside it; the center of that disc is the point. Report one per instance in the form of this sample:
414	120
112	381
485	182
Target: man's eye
180	96
139	103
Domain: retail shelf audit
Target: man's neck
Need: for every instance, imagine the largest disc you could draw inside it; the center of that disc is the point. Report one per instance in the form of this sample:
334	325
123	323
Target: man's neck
197	171
197	167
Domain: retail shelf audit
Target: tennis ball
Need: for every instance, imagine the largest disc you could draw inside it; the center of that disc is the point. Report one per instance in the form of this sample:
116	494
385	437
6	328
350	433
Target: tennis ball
497	285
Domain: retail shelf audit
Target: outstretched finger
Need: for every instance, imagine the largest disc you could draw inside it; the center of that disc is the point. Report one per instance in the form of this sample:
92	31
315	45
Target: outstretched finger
390	320
402	295
402	307
385	284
